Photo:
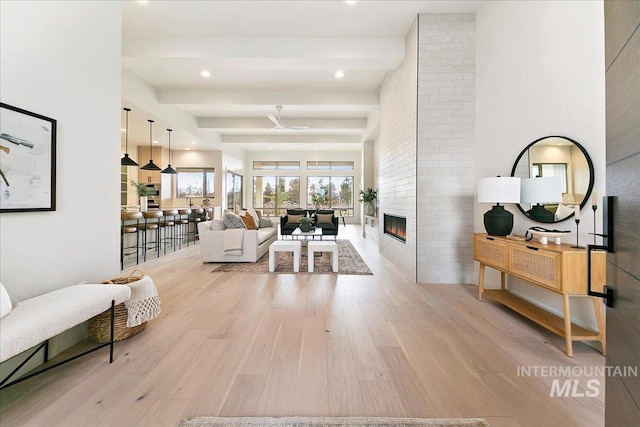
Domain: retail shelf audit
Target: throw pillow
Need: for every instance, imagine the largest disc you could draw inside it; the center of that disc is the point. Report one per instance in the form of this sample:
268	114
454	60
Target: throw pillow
295	212
294	218
5	301
563	211
232	220
248	221
265	222
324	218
254	215
217	224
325	211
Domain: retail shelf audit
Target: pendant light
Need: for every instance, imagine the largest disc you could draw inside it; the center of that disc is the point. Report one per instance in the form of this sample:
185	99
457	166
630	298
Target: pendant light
169	169
126	160
150	166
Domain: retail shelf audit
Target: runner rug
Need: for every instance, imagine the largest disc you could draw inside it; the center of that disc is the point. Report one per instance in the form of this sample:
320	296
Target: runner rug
349	262
330	421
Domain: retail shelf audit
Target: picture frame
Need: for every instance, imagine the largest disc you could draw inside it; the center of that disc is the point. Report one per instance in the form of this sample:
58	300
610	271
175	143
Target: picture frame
27	160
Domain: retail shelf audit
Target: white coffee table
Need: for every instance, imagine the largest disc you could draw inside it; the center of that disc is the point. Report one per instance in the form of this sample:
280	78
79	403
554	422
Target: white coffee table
285	246
331	247
307	235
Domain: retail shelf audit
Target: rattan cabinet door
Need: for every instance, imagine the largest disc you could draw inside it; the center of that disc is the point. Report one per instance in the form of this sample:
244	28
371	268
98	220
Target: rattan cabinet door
537	265
491	252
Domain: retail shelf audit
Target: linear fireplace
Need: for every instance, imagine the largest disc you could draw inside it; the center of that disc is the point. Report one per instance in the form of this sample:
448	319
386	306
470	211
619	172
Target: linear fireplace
396	227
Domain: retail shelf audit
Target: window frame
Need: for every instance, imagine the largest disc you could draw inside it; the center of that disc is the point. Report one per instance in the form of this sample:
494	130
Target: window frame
205	181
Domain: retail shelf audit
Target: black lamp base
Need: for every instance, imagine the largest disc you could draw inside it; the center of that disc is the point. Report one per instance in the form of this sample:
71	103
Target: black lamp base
498	221
539	213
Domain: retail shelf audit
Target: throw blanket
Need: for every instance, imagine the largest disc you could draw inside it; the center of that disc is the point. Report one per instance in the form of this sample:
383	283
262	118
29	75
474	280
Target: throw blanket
233	238
144	303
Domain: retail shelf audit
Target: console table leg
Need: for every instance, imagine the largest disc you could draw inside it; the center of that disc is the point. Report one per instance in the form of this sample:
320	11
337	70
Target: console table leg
502	280
567	325
481	282
602	331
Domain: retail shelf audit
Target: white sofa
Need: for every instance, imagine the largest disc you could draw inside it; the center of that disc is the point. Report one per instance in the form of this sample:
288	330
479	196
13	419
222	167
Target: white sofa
254	245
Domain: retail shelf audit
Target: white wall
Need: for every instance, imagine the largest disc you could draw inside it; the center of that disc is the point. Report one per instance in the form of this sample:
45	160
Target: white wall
63	61
539	71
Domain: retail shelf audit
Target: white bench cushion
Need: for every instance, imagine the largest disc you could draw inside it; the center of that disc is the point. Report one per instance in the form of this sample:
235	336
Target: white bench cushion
45	316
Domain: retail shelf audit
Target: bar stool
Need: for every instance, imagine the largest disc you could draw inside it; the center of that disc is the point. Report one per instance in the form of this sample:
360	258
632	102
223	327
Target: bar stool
128	227
153	226
195	218
168	225
183	221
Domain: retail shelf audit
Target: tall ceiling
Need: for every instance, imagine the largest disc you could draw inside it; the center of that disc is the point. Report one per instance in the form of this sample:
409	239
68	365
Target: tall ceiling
265	53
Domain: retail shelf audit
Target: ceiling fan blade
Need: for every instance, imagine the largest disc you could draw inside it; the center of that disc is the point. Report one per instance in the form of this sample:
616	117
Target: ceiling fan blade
273	119
296	127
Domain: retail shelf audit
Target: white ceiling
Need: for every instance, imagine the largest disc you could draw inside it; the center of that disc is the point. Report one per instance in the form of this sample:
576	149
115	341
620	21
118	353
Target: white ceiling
264	53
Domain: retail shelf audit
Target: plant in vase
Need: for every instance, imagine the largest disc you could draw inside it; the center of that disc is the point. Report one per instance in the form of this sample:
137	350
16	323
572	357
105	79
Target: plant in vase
368	197
143	193
306	224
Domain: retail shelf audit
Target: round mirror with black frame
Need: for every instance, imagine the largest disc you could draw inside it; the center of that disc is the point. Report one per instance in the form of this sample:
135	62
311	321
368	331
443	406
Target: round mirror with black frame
564	162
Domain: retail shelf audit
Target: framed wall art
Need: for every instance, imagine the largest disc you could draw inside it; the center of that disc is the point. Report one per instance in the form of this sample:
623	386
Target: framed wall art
27	161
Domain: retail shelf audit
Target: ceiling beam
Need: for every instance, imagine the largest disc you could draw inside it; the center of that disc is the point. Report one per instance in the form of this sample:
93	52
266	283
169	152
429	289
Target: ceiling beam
300	139
364	98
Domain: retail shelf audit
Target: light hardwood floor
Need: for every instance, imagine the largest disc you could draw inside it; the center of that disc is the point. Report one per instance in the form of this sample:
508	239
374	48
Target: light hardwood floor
234	344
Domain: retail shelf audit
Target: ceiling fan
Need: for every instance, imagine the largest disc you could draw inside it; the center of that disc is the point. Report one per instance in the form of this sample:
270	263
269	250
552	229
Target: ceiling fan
279	124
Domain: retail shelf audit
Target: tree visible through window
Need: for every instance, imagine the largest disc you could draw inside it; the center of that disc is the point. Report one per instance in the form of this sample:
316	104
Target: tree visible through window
234	192
330	192
273	195
195	182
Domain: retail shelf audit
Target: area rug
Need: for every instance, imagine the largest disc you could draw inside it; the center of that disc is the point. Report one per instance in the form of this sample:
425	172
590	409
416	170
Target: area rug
349	262
330	421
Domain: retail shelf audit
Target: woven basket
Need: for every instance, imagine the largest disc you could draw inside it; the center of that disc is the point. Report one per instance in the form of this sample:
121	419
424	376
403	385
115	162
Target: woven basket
100	326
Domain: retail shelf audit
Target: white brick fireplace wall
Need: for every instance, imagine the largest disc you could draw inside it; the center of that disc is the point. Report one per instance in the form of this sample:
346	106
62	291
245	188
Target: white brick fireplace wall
446	116
427	150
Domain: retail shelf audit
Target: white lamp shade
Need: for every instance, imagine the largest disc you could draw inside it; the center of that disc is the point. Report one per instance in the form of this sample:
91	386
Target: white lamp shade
541	190
499	189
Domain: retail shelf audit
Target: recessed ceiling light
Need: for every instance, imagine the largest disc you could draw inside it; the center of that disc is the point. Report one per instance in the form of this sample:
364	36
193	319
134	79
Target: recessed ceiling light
193	142
205	73
269	148
187	149
351	2
143	1
155	142
123	130
339	74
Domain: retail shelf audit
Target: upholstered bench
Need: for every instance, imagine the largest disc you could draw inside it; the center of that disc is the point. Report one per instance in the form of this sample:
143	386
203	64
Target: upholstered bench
34	321
294	246
331	247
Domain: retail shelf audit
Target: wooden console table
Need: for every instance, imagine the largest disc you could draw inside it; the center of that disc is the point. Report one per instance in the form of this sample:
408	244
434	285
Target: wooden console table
558	268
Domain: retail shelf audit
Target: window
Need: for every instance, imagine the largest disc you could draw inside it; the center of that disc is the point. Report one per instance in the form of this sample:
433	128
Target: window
234	192
334	165
273	195
276	165
195	182
331	192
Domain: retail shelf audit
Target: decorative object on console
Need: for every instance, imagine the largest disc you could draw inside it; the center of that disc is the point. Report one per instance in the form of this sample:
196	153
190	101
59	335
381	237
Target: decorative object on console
576	217
368	197
541	190
498	221
543	235
150	166
594	206
169	169
126	160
